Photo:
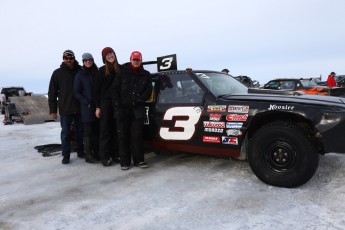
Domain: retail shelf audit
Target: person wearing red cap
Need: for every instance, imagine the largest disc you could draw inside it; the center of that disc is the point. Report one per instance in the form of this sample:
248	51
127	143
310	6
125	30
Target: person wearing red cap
130	91
108	141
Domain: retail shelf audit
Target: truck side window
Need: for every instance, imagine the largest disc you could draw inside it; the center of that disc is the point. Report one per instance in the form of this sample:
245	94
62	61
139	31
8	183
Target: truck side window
179	89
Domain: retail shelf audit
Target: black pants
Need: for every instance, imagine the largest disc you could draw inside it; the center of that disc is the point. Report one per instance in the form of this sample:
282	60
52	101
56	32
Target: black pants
91	132
131	140
66	122
108	141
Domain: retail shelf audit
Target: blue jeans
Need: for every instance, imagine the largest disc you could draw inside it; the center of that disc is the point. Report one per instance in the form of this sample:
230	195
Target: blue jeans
66	122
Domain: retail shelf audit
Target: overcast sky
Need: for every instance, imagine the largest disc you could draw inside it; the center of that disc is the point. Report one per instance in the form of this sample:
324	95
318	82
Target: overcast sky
262	39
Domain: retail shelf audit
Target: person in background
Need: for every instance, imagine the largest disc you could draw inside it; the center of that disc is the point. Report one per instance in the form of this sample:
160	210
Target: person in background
331	81
60	95
225	71
108	141
83	91
130	91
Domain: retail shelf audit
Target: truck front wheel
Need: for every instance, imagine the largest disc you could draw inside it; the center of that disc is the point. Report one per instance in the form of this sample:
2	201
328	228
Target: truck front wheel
282	154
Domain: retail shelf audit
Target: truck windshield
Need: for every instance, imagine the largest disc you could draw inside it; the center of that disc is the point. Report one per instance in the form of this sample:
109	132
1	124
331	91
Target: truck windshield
221	84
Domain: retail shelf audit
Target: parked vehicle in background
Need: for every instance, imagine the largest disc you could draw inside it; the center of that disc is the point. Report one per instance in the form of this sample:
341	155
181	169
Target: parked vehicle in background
317	80
339	79
308	86
7	92
8	108
247	81
2	103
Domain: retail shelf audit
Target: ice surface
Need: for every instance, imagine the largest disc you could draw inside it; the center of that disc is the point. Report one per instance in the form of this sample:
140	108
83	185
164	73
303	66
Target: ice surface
178	191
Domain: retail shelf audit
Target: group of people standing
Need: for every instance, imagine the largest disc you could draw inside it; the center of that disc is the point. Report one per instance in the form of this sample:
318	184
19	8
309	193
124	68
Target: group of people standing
105	106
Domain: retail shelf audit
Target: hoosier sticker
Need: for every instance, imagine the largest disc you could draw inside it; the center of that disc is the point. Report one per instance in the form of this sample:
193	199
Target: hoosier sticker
281	107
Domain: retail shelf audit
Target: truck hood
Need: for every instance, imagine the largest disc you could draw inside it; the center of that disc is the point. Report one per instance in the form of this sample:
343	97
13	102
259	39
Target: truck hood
286	97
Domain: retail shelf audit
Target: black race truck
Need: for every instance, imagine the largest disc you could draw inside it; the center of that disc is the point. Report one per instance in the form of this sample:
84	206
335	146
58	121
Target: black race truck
281	134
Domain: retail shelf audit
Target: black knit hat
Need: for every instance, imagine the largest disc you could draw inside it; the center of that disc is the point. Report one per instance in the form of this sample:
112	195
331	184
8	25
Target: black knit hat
68	53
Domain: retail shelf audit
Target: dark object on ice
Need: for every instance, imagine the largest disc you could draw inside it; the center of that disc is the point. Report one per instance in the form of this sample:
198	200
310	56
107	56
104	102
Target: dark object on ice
52	149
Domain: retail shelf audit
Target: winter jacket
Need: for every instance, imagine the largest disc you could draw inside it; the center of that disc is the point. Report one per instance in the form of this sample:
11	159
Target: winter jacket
330	81
103	86
131	89
83	91
60	93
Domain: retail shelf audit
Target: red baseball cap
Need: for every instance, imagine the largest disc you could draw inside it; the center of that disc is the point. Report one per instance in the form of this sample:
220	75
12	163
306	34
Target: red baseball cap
136	55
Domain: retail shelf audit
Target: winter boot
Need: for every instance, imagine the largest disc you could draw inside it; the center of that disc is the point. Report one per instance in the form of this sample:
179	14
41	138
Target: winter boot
88	151
80	154
65	159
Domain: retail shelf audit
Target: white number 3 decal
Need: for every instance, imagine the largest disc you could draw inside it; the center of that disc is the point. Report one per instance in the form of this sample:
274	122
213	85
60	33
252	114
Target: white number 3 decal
185	120
167	63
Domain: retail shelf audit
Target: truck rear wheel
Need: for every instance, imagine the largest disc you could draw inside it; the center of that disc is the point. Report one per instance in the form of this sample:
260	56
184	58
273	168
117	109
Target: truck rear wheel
282	154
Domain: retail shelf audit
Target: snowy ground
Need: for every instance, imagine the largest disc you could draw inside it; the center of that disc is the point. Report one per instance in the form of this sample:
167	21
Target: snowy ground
178	191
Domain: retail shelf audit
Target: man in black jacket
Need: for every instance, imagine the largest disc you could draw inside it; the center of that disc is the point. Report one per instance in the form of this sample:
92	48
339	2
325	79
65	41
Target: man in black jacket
130	91
60	95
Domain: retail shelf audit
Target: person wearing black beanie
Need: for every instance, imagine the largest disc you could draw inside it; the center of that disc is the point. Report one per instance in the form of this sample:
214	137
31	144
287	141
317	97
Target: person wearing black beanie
60	98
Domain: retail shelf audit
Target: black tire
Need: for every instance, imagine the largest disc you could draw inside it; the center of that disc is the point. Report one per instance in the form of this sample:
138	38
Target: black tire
282	154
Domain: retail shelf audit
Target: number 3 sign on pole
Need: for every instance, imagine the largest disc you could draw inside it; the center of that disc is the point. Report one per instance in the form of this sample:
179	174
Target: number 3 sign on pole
167	63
